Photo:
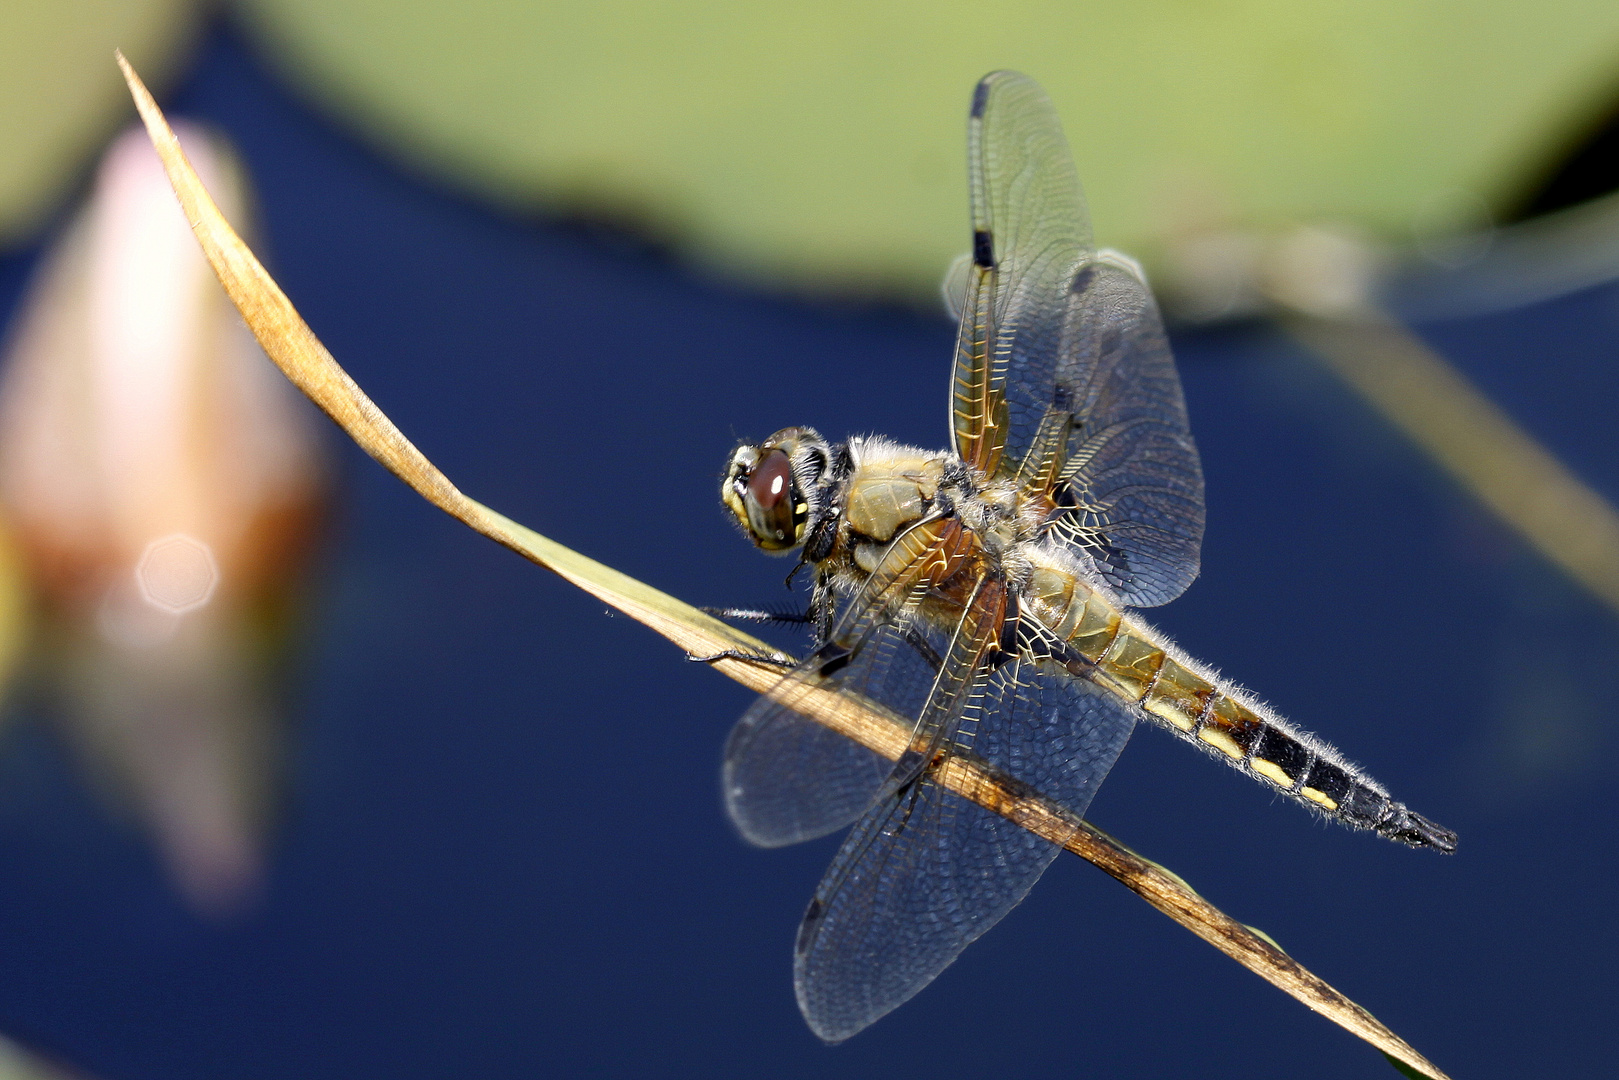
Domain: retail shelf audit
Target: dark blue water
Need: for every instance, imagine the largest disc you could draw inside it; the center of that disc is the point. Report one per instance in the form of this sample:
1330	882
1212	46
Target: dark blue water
505	854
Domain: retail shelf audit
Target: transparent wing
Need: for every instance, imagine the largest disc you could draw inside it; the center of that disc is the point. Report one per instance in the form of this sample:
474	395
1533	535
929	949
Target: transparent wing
1126	486
924	873
1030	231
787	778
1063	375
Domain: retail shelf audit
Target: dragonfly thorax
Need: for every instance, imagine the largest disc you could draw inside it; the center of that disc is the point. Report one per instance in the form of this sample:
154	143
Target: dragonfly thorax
846	504
880	489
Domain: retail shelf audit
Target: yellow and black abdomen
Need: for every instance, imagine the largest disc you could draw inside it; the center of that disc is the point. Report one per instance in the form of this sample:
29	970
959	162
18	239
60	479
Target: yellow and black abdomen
1130	660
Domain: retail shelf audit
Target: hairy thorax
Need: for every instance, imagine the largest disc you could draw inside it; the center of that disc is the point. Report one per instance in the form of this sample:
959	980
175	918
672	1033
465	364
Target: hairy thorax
891	488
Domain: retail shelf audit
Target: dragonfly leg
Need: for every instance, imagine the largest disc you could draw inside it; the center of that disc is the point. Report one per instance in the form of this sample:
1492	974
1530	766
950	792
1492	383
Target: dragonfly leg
927	652
742	654
823	604
760	615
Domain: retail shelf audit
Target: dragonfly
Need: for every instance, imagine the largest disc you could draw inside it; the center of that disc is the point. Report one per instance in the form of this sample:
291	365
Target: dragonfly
986	593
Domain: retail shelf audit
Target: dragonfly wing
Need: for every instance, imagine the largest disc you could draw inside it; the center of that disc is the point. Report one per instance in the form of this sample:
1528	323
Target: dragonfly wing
1129	495
924	873
1030	230
787	778
1063	376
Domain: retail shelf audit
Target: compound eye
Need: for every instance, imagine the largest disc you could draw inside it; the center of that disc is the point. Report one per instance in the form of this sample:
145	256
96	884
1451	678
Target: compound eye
771	481
769	502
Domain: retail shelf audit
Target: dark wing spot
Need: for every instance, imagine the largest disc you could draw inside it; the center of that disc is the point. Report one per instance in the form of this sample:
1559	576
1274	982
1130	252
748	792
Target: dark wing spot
980	97
983	249
1082	280
1101	549
811	923
833	658
1009	628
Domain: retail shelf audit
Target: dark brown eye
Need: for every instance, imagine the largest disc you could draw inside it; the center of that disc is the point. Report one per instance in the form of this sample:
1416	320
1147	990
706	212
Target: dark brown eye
768	502
771	481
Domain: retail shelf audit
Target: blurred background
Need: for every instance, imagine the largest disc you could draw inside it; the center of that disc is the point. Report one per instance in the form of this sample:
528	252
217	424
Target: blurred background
300	777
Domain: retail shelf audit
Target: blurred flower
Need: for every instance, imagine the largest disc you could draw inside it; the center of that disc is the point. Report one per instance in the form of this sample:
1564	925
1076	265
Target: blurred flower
162	482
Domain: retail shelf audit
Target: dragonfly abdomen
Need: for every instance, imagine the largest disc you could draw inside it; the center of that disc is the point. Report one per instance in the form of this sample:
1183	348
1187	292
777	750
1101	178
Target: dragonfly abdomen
1179	694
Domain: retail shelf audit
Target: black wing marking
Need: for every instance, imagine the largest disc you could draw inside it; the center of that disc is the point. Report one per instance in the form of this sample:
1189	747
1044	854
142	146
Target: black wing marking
924	873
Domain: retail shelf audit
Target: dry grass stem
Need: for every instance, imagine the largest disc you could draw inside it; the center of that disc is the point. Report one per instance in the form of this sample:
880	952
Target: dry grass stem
298	353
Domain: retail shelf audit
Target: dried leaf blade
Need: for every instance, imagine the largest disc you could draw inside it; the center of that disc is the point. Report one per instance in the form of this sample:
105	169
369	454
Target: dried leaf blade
294	348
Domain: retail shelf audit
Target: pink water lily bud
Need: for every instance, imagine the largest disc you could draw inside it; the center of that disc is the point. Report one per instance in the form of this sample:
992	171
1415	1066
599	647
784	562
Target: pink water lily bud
161	481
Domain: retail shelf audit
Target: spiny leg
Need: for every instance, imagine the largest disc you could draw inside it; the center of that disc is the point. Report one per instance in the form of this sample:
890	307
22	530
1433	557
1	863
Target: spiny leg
744	655
769	615
751	615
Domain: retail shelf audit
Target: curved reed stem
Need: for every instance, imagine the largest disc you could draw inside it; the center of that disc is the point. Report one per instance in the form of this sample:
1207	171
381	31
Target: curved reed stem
298	352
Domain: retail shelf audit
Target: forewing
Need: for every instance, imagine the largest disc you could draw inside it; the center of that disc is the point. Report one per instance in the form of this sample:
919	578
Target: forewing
1130	493
1030	231
1063	377
924	873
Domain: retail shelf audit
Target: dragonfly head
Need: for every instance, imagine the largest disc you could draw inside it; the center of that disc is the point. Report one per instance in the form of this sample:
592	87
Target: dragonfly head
769	486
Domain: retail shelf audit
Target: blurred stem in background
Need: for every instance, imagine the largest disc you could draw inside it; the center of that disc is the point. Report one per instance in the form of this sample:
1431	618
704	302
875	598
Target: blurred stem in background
20	1063
1320	285
822	155
1472	438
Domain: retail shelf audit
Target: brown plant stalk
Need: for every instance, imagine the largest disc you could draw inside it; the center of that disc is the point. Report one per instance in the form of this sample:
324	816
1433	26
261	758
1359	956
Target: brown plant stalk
300	355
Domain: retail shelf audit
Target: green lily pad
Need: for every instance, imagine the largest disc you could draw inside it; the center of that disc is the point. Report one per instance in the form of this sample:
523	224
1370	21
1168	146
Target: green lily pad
822	145
61	96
